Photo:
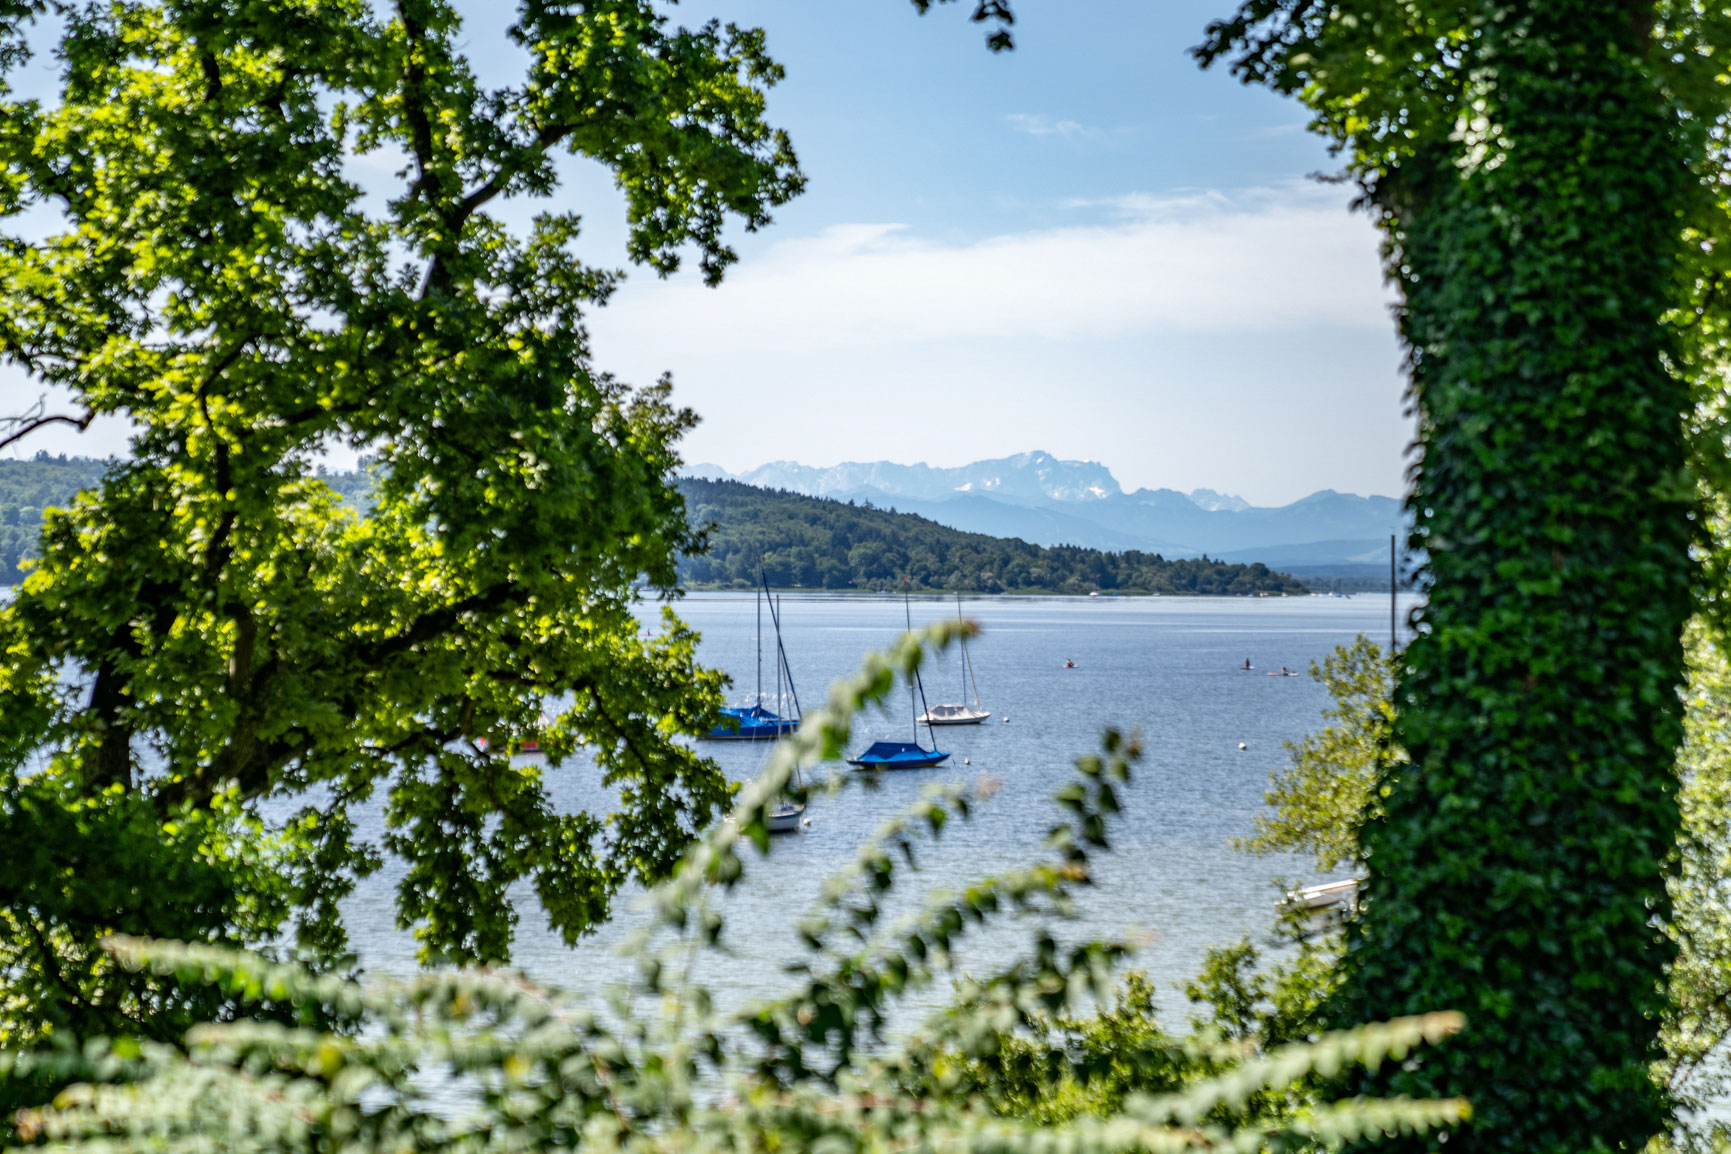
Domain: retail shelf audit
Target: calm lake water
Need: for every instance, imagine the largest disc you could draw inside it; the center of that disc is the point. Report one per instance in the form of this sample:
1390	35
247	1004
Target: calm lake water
1168	666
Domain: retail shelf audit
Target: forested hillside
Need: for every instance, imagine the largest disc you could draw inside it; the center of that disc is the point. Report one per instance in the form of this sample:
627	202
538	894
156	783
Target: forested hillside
808	542
799	542
28	487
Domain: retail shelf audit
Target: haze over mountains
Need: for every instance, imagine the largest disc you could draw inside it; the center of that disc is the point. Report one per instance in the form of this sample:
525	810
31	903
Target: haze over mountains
1047	501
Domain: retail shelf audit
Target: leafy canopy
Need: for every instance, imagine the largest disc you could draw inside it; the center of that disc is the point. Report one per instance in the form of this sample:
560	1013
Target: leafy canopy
210	627
1344	770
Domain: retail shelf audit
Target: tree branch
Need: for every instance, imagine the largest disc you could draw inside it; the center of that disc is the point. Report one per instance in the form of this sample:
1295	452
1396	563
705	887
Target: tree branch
36	418
414	111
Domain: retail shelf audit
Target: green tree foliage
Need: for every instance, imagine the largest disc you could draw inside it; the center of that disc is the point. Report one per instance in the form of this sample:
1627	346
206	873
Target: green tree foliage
1697	1023
810	1069
808	542
211	625
27	488
1531	171
1337	775
1696	1027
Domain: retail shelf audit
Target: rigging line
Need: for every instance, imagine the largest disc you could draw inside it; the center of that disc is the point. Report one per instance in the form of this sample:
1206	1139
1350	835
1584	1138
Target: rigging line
781	651
968	658
907	602
783	667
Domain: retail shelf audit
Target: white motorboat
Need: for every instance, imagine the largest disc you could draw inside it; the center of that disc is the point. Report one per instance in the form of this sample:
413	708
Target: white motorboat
1323	907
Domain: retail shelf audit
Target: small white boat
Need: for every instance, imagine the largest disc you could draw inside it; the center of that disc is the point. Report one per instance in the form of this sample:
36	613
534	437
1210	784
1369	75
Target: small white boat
785	817
954	715
1324	896
962	713
1324	906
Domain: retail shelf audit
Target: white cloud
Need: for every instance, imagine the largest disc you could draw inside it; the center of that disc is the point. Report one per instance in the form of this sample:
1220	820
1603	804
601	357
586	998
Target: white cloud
1251	264
1038	125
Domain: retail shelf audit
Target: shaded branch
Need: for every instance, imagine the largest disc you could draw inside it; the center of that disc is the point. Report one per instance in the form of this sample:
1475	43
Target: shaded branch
36	418
414	111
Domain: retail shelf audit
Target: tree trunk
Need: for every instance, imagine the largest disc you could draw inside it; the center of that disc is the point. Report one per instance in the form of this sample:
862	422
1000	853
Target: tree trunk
1521	865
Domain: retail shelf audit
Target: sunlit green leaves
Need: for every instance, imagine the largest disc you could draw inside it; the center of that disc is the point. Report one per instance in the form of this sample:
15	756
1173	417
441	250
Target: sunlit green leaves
1336	777
204	235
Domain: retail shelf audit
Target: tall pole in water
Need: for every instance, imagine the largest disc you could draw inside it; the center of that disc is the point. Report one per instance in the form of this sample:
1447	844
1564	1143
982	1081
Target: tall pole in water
760	577
1393	629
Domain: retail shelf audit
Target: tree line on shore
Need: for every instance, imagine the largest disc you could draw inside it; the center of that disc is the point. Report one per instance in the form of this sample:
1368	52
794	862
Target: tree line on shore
797	542
813	543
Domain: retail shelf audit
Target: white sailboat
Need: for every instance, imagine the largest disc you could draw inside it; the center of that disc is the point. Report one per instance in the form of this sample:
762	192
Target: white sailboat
959	713
787	815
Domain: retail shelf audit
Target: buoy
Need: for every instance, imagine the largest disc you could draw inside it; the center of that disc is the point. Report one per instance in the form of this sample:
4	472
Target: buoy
1241	745
1006	721
967	761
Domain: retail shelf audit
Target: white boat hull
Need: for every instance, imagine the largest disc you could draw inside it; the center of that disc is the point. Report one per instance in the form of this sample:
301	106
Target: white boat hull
785	818
954	715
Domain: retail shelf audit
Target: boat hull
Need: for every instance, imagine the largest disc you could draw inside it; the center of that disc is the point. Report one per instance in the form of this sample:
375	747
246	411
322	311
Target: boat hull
971	717
785	818
751	723
898	755
751	733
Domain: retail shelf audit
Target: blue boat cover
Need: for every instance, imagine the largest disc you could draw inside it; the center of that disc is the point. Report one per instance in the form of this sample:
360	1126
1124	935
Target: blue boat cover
756	712
899	755
752	723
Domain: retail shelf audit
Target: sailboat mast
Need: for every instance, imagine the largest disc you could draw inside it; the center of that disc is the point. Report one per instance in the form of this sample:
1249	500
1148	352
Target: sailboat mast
907	610
916	679
760	645
967	659
781	651
964	648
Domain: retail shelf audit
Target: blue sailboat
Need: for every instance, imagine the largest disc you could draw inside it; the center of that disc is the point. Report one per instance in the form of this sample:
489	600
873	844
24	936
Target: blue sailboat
758	722
904	754
898	755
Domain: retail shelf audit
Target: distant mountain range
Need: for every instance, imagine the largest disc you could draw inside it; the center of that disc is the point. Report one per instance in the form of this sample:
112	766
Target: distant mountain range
1047	501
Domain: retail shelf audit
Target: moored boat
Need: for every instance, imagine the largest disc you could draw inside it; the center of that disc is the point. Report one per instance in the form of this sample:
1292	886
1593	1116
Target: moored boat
904	754
758	722
898	755
959	713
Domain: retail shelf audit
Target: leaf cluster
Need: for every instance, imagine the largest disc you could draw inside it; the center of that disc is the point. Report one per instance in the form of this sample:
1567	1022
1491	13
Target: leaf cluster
258	231
1336	777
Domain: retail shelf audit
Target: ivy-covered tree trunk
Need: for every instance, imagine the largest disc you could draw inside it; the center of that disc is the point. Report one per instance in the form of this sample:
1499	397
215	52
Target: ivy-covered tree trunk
1518	873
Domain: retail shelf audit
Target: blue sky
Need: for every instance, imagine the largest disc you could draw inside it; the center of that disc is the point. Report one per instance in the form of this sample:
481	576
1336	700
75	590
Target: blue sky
1087	246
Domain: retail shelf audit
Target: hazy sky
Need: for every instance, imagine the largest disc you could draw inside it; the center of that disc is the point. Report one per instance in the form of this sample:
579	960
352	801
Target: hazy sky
1086	246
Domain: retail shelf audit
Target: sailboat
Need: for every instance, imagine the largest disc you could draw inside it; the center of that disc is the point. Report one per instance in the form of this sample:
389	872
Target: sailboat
903	754
786	815
758	722
959	714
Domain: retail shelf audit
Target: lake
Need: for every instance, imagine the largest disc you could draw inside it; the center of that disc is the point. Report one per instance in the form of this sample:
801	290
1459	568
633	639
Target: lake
1167	666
